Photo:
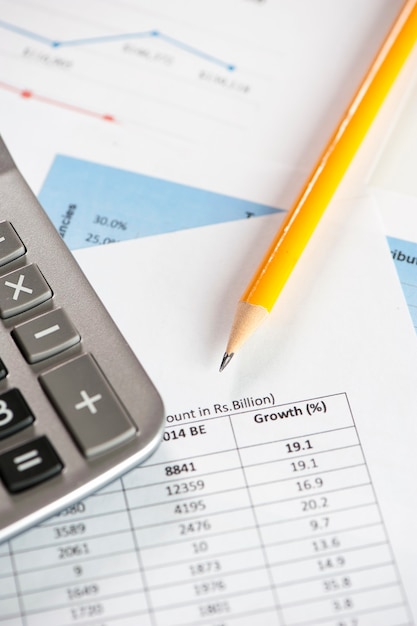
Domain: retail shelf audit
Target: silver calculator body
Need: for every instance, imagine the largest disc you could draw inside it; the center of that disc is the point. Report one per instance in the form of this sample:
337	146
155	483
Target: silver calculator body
76	407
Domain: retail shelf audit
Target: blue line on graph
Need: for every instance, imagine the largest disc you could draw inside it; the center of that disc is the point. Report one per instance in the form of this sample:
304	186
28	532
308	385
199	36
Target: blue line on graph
191	50
26	33
112	38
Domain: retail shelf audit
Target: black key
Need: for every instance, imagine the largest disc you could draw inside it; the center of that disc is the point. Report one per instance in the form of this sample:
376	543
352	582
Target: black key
15	413
3	370
29	464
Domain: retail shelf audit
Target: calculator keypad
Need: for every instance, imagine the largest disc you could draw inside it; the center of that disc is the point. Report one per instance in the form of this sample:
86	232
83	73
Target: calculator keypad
76	388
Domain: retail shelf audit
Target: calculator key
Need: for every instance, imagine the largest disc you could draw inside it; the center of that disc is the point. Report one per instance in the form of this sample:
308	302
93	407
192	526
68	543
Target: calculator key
45	335
29	464
88	405
21	290
3	370
15	413
11	246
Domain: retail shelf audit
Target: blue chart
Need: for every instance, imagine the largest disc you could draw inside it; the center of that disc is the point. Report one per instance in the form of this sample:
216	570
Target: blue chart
92	204
404	254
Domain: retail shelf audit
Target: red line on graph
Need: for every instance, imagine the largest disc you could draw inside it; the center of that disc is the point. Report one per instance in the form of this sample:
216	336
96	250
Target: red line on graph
26	93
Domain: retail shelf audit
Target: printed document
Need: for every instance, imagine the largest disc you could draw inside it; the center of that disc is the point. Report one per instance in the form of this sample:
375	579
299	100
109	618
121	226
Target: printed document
283	491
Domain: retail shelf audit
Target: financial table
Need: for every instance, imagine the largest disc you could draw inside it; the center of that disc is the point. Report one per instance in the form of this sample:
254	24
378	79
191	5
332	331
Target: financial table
249	512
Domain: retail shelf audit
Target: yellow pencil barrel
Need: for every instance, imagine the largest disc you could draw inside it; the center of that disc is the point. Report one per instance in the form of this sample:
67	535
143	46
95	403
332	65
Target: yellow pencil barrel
302	219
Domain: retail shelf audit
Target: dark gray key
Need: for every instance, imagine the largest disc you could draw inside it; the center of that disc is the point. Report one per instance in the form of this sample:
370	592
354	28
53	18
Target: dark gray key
21	290
11	246
45	335
88	405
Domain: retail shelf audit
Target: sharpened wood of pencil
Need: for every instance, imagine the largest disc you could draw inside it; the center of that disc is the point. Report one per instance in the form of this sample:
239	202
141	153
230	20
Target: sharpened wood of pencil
300	222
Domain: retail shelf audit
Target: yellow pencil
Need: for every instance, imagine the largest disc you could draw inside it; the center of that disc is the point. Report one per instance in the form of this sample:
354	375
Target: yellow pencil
296	230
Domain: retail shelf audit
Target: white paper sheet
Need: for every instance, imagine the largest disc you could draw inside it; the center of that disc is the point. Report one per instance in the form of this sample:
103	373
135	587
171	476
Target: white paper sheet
340	327
395	169
283	491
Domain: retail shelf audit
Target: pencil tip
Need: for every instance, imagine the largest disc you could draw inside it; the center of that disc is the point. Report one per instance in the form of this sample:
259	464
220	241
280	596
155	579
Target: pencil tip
226	360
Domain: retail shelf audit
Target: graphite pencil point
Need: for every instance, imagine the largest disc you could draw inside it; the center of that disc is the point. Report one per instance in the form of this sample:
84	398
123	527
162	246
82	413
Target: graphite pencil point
226	360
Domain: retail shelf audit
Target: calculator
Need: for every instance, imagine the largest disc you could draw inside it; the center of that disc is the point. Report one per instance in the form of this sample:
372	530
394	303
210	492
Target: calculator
77	408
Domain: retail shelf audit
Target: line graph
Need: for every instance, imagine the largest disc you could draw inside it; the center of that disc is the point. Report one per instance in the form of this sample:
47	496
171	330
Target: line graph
164	79
181	45
207	74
